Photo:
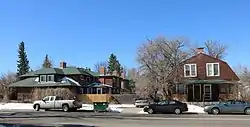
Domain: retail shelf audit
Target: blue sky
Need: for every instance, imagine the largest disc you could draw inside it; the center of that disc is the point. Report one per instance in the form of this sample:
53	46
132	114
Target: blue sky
83	32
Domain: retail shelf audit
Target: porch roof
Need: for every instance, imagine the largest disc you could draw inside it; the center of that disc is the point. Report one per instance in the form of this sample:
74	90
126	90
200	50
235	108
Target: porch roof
210	82
98	85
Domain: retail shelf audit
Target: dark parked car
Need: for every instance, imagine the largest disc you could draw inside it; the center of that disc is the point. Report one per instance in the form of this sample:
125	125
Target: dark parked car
167	106
231	106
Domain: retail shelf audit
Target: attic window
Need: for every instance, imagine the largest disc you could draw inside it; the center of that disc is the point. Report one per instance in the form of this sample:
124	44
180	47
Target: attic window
190	70
42	78
213	69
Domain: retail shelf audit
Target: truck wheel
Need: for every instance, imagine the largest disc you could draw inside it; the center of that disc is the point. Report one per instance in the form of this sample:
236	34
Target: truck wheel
37	107
65	108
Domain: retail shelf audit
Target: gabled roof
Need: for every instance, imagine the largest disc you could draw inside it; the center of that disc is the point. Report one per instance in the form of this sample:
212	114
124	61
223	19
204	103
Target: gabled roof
216	59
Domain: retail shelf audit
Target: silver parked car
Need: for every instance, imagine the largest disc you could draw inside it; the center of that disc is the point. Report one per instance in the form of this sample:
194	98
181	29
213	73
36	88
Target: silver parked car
231	106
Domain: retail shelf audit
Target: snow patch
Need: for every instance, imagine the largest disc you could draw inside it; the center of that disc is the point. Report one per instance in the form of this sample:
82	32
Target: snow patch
195	109
17	106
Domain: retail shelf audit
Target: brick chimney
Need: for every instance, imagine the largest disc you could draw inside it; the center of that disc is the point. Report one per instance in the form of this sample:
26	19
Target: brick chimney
115	73
63	64
199	50
102	71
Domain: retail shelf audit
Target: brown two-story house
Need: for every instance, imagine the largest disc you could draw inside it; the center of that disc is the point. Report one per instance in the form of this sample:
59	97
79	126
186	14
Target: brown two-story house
206	78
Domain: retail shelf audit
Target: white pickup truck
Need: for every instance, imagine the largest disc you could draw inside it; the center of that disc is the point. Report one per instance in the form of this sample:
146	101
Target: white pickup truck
55	102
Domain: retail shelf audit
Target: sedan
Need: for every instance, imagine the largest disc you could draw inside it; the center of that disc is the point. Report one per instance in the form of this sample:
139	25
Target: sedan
167	106
231	106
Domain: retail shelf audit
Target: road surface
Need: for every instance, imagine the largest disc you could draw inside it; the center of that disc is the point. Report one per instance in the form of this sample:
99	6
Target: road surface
125	120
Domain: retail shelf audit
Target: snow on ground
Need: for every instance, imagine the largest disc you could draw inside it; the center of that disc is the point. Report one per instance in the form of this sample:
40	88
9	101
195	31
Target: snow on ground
29	106
195	109
191	109
90	107
10	106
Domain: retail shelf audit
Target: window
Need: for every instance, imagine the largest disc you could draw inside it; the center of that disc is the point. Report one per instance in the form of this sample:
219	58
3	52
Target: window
190	70
213	69
50	78
52	98
180	89
172	102
46	99
42	78
59	98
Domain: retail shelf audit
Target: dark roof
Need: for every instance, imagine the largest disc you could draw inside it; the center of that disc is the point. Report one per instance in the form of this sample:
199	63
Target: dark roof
98	85
64	71
31	82
49	71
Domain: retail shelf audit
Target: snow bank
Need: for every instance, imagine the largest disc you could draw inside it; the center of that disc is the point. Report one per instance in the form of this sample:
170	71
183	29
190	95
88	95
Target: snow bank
195	109
29	106
191	109
18	106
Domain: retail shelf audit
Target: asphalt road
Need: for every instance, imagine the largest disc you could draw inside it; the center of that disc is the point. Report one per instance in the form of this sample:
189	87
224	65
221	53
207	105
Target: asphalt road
125	120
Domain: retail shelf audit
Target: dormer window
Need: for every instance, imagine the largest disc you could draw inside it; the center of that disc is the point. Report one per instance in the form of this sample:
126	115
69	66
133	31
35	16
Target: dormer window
190	70
42	78
47	78
213	69
50	78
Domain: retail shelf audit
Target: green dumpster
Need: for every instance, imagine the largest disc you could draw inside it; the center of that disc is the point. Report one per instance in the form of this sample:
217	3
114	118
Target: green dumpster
100	106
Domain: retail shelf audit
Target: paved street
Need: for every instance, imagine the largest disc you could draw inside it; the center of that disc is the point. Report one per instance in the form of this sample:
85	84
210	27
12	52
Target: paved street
125	119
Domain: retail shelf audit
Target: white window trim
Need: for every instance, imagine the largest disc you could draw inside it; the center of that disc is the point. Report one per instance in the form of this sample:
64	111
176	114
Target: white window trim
44	77
212	69
190	70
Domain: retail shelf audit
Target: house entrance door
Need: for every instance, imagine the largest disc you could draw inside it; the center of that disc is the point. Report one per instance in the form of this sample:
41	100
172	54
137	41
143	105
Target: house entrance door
207	92
197	92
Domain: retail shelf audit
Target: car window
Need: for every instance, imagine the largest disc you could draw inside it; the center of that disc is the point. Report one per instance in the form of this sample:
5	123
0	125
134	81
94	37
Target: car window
52	98
172	102
59	98
162	103
46	99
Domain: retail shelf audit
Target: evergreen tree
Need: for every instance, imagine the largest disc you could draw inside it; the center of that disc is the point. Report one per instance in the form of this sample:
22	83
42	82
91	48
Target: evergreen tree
113	64
47	63
23	62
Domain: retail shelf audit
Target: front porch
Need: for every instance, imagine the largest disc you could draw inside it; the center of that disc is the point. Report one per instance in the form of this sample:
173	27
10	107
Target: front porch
206	91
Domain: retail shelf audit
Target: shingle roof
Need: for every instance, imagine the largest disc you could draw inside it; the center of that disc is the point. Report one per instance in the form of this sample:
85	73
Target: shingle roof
64	71
31	82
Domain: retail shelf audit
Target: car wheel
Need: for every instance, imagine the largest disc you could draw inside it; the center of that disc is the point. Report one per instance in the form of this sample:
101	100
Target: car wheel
65	108
46	109
150	111
177	111
247	111
37	107
215	111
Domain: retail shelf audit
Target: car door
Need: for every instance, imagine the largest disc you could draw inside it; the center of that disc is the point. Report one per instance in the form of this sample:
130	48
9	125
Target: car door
44	102
165	107
51	103
159	107
228	107
58	103
239	107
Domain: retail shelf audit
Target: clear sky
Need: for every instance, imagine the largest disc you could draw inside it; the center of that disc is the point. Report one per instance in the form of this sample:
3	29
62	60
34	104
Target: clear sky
83	32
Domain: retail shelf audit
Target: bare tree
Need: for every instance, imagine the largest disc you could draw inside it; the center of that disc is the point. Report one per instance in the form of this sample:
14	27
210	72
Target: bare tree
100	64
5	81
213	48
216	49
244	87
159	58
